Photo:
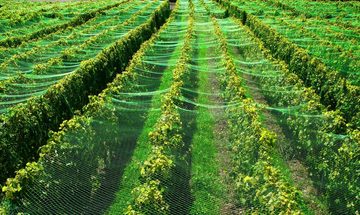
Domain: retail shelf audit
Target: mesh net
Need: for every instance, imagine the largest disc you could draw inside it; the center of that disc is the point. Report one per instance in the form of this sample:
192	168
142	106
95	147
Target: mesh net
334	41
30	69
19	18
94	165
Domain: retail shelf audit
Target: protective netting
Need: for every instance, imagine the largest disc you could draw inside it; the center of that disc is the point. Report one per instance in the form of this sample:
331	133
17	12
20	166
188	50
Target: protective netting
32	68
130	107
282	94
344	11
335	41
21	17
96	163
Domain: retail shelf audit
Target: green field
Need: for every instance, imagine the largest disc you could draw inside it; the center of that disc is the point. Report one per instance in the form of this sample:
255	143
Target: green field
187	107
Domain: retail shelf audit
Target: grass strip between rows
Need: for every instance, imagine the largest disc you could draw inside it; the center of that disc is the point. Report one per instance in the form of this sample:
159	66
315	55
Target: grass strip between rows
165	139
206	185
131	174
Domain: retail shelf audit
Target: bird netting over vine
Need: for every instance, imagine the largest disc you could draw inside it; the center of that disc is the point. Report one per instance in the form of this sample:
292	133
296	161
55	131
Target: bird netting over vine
30	69
203	121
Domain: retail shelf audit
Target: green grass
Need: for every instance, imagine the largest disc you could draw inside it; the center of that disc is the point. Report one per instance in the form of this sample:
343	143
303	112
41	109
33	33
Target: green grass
206	184
131	174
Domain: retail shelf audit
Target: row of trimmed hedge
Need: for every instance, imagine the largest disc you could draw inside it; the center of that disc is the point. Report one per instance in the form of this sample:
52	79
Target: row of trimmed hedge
79	20
26	127
334	90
